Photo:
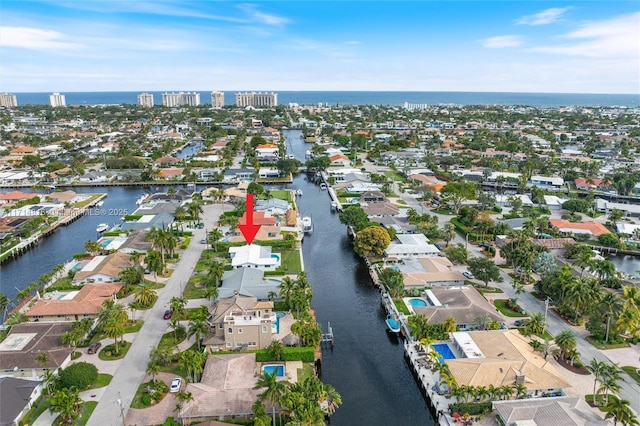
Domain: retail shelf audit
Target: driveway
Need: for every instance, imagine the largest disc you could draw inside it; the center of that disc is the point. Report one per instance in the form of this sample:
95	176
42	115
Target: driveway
158	413
132	369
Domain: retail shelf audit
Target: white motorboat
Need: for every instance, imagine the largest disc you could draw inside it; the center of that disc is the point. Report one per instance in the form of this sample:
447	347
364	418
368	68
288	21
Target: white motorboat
102	227
299	192
100	203
323	186
307	224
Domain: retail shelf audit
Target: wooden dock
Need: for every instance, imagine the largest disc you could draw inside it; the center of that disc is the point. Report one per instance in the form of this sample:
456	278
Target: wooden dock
327	338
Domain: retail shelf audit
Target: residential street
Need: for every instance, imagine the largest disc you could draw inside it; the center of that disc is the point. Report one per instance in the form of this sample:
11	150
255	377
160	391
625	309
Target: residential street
132	369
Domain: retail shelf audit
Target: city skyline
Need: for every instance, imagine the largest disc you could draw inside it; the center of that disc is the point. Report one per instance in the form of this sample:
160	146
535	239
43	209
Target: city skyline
564	47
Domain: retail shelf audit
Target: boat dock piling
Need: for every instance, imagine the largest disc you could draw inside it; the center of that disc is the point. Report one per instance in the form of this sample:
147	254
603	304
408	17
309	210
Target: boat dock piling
328	336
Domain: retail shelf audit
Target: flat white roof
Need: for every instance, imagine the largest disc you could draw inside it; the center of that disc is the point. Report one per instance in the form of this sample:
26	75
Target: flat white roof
93	263
466	344
432	298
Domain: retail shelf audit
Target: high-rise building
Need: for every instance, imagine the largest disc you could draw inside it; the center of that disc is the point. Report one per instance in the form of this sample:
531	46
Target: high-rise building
57	100
217	99
8	100
181	98
145	100
258	99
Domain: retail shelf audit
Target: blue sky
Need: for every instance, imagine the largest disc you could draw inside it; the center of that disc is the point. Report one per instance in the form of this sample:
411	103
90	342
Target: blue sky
503	46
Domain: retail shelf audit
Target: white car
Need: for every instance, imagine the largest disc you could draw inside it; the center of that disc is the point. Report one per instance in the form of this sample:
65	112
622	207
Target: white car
468	275
175	385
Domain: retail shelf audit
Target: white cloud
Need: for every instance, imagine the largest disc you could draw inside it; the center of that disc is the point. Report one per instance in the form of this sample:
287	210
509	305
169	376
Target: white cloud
33	38
261	17
547	16
501	42
616	37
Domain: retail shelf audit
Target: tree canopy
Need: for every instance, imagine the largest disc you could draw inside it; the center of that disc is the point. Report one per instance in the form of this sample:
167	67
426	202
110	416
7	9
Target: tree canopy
371	241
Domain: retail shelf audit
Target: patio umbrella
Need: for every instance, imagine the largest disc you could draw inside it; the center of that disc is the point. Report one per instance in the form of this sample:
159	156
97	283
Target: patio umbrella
291	340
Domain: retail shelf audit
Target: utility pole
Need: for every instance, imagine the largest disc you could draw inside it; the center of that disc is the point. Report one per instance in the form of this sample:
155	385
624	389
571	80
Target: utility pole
124	422
546	310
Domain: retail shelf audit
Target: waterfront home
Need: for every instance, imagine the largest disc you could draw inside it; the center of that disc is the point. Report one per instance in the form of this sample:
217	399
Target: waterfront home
553	202
410	245
225	390
594	229
507	200
268	172
420	272
241	322
136	241
547	182
20	349
606	207
170	174
73	305
254	256
237	175
593	184
166	161
248	282
15	196
356	182
566	411
464	303
148	221
340	160
502	358
380	209
400	224
18	396
103	269
260	218
273	206
67	197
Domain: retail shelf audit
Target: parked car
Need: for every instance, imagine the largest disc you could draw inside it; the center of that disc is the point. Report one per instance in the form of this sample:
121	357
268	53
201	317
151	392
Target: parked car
203	241
175	385
468	275
201	225
519	323
94	348
168	314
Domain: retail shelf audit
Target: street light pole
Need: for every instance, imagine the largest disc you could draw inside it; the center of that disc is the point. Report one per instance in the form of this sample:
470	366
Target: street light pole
124	422
546	310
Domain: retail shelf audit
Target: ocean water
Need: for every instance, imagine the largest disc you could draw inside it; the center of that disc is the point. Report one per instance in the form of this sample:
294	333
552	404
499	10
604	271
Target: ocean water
364	98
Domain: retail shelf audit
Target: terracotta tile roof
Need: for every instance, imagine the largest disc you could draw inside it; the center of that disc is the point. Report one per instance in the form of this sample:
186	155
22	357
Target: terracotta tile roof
88	301
259	218
595	228
17	196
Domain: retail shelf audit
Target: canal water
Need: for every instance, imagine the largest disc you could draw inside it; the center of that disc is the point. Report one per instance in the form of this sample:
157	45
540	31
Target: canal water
366	364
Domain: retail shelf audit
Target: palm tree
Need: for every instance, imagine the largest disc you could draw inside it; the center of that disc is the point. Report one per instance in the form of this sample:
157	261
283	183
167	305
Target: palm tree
214	237
211	292
131	276
193	361
92	247
198	328
49	379
114	329
68	403
180	214
155	263
448	232
4	306
609	381
610	306
287	286
620	411
145	295
274	390
135	257
597	368
585	260
450	325
483	321
215	273
566	340
178	306
195	210
152	369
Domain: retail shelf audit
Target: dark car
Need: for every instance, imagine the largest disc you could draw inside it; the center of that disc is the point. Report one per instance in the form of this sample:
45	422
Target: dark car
94	347
519	323
168	314
200	225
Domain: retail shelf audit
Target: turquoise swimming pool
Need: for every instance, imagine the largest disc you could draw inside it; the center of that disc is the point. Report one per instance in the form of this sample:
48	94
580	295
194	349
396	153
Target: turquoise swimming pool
270	369
444	350
417	303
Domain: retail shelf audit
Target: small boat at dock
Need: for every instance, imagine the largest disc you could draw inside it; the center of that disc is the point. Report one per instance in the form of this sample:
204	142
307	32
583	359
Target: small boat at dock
392	323
102	227
299	192
100	203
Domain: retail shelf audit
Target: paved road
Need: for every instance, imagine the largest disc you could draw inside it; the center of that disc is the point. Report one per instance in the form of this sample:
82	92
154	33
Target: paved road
133	367
630	388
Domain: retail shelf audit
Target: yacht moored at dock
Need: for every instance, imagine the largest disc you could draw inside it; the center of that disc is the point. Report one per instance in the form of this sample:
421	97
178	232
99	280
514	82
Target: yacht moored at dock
307	224
392	323
102	227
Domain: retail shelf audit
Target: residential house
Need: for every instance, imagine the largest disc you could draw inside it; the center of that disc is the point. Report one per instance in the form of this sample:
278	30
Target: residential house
18	396
423	272
340	160
380	209
566	411
20	349
148	221
273	206
592	228
73	306
254	256
170	174
503	358
410	245
241	322
605	206
465	304
166	161
263	218
548	182
248	282
593	184
237	175
66	197
103	269
268	172
16	196
226	390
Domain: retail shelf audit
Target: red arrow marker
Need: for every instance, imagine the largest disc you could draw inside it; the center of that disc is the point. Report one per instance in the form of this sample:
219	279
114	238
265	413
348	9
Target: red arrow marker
249	229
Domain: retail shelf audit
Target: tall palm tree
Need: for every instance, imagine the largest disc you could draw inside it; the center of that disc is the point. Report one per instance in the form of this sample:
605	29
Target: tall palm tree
566	340
610	306
448	232
274	391
68	403
178	306
450	325
198	327
4	306
180	214
215	272
195	210
620	411
145	295
114	329
610	381
211	292
214	237
155	263
597	368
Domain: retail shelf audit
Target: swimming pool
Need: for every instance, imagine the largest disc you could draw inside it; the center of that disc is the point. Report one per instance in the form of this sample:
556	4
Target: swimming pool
105	243
275	256
444	350
75	267
270	369
418	303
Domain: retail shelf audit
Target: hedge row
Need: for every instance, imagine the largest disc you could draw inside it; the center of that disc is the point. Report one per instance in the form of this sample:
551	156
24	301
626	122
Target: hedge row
473	408
303	354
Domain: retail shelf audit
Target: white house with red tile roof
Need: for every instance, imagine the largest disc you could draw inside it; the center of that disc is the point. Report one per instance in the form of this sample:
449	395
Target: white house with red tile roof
340	160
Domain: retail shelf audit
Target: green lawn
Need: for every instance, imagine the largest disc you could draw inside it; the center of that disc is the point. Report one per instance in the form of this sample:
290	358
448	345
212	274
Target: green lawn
401	306
281	194
102	381
123	348
195	287
600	400
633	372
601	345
87	410
395	176
500	306
290	261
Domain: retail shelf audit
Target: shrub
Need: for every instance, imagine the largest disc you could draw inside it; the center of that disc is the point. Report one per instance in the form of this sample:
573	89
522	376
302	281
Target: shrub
473	408
146	400
80	375
303	354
